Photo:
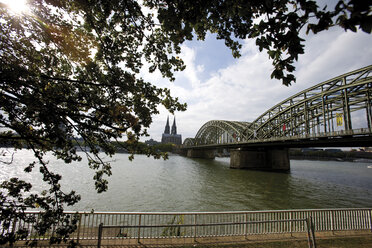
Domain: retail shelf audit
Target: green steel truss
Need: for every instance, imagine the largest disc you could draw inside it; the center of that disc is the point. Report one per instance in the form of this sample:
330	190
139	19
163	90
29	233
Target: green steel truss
219	132
318	110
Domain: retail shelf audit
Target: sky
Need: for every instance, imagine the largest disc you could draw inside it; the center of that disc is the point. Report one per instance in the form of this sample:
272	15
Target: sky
216	86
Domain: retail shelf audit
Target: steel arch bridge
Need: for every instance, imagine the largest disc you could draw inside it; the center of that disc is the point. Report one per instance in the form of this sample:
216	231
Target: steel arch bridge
317	112
219	132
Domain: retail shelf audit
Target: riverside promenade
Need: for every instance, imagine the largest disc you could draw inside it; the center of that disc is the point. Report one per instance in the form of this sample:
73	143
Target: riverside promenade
117	229
357	239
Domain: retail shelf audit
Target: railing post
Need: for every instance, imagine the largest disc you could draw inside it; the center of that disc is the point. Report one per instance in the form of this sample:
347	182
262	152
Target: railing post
14	225
308	232
195	227
78	230
332	222
139	229
291	223
246	226
370	219
312	228
99	235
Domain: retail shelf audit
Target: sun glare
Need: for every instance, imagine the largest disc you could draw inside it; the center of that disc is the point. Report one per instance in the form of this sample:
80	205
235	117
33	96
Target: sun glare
16	6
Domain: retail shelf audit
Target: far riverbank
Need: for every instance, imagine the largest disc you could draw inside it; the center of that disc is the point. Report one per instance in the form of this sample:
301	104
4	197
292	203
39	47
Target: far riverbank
330	155
322	155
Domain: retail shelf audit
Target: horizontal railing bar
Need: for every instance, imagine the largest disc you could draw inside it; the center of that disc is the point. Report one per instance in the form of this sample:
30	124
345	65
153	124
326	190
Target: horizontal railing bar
213	212
205	224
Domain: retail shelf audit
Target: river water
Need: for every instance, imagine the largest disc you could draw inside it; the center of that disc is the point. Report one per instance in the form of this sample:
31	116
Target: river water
185	184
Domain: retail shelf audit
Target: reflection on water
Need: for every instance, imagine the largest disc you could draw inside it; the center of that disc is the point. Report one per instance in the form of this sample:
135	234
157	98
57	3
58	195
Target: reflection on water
184	184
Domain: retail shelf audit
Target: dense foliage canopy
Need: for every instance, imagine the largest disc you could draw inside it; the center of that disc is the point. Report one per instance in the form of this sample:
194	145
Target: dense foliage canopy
70	76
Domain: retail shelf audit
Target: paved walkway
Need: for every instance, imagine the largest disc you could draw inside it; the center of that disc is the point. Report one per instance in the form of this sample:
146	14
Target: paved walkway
361	239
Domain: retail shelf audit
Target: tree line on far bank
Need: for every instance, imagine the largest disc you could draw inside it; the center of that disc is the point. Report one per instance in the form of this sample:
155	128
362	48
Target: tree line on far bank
141	148
331	154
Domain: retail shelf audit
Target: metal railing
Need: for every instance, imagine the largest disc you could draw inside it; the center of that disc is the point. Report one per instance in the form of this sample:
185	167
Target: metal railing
180	230
206	224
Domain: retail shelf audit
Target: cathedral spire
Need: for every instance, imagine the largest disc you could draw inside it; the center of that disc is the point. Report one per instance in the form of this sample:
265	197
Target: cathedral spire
174	127
167	128
171	137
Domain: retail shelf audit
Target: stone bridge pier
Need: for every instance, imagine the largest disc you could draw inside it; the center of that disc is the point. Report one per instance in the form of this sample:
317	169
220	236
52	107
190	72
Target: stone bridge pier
201	153
274	159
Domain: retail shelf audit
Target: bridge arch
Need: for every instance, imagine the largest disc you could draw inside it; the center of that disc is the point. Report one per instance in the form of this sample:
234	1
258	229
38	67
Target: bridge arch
219	131
189	142
314	111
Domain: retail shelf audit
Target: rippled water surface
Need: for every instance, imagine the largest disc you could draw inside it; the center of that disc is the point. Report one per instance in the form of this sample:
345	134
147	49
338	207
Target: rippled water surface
184	184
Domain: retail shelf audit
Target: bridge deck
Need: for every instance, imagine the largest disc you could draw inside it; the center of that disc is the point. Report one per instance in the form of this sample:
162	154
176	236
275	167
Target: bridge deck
352	138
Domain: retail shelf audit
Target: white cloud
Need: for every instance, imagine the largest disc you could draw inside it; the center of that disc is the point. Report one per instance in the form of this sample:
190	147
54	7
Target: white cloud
243	90
190	74
332	53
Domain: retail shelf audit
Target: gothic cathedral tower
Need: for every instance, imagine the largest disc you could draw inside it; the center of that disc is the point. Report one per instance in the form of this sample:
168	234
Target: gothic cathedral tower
166	131
174	127
171	136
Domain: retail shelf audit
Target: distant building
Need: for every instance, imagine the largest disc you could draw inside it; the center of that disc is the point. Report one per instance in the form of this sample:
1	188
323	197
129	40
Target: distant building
171	136
151	142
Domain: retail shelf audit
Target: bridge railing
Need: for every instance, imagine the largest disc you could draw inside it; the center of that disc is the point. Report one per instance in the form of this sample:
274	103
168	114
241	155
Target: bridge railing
341	133
206	224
